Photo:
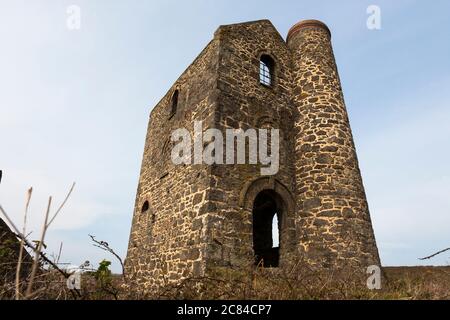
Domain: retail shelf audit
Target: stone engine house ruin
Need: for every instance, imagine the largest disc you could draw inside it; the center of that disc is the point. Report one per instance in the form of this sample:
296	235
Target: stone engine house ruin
190	219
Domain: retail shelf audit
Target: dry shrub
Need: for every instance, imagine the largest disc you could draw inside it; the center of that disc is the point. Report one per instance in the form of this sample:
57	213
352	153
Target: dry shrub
301	283
304	283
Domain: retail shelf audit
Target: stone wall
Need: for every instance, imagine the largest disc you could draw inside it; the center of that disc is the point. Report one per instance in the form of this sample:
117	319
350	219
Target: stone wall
244	103
166	242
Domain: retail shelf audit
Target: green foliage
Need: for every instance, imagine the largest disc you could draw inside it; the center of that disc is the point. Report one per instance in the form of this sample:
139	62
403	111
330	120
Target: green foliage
106	284
103	275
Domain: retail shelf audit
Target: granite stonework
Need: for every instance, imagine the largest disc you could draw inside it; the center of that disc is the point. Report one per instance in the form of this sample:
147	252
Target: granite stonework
190	219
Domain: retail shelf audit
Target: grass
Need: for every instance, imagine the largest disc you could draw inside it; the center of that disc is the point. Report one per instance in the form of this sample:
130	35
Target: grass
400	283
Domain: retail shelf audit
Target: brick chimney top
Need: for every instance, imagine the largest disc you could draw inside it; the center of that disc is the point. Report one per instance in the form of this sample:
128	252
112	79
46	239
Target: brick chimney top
307	23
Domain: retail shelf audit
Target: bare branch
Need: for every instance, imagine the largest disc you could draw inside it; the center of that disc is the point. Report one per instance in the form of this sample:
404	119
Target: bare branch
62	205
59	253
105	247
436	254
39	249
30	245
10	222
22	243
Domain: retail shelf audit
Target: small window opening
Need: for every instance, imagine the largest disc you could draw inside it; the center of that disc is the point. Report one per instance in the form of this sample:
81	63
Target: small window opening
145	207
266	68
174	106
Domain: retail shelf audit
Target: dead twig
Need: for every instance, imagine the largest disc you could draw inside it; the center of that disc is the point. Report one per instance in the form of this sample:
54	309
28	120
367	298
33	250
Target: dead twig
47	224
435	255
39	250
22	243
28	244
38	247
105	247
59	253
62	204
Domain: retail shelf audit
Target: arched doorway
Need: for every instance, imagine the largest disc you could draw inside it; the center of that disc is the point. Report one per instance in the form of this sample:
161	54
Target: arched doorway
267	222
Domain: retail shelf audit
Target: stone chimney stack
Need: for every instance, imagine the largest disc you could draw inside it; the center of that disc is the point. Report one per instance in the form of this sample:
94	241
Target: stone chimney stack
333	222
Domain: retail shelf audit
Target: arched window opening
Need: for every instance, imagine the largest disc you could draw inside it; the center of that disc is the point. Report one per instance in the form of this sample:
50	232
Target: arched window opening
266	70
174	105
267	215
145	207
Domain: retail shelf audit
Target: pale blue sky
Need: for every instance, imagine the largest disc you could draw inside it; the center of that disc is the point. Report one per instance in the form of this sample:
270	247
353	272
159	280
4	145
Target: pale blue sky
74	107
